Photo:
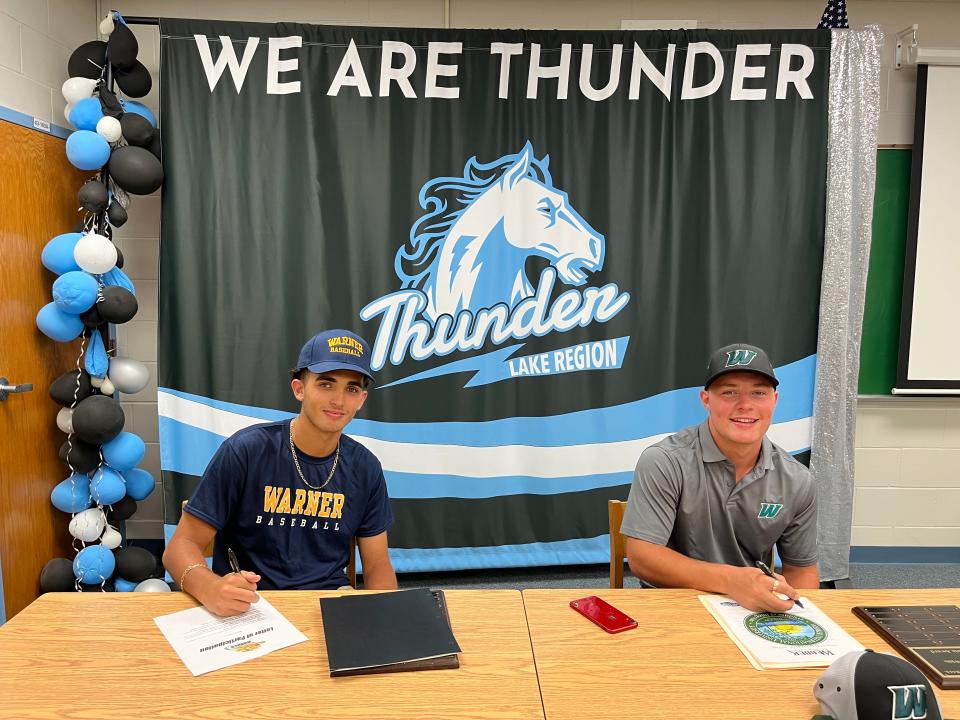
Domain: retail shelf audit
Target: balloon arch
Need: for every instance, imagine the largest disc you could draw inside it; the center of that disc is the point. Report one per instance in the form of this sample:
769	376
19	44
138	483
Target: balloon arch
118	139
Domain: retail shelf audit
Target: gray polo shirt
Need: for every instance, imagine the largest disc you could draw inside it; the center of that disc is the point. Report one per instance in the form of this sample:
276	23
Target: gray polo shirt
685	496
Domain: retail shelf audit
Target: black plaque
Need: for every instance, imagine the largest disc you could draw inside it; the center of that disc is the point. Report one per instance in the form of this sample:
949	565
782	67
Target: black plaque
926	635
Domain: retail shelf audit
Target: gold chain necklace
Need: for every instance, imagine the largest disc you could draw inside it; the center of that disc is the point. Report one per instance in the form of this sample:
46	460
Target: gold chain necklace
333	468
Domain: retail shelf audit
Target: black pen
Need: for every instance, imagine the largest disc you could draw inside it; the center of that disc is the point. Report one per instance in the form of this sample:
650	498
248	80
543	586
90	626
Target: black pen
235	566
766	571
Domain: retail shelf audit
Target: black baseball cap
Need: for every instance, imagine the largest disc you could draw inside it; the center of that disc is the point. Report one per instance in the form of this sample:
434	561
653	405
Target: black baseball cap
336	350
739	357
863	685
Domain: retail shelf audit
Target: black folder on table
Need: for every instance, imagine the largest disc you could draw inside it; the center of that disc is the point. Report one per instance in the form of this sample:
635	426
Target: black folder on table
388	632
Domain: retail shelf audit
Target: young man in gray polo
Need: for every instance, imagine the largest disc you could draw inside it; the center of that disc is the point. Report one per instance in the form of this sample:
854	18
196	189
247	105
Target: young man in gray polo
710	501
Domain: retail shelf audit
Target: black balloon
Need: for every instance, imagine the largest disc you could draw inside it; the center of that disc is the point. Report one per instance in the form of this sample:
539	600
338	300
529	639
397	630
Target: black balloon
136	170
91	318
135	564
98	419
109	104
135	82
57	576
123	47
83	457
93	196
106	587
118	306
136	129
64	388
155	147
116	214
88	60
119	259
122	509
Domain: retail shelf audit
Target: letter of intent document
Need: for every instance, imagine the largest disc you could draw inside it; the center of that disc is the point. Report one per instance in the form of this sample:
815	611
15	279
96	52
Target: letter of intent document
206	642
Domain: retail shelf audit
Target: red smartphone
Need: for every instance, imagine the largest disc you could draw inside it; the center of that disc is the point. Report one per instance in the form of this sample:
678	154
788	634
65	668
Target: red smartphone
603	614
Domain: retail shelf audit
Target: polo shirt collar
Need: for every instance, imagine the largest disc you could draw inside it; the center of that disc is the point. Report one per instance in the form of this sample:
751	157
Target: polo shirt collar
711	453
708	448
766	454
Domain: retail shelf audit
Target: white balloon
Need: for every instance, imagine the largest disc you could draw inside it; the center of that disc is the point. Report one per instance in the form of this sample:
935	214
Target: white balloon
111	538
95	254
67	109
109	129
65	420
88	525
128	376
152	585
106	25
106	387
96	381
78	88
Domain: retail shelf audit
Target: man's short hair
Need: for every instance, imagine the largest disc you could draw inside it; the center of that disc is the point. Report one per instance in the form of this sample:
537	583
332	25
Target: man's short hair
301	374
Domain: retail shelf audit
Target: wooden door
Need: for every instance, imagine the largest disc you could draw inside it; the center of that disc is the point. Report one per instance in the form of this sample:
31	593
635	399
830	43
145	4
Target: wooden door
38	200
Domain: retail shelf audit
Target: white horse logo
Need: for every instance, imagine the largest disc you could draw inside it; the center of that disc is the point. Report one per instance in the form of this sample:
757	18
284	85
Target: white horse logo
468	251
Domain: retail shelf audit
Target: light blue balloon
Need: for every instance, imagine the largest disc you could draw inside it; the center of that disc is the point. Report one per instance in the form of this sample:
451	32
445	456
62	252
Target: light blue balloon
107	486
121	585
87	151
117	277
72	495
140	483
75	292
57	255
58	325
133	106
86	114
96	361
94	564
123	453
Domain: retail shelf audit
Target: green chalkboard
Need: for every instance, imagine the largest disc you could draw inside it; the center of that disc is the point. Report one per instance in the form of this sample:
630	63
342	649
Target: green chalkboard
881	316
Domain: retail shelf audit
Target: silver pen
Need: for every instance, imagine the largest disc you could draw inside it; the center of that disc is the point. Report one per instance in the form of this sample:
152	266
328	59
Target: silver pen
232	558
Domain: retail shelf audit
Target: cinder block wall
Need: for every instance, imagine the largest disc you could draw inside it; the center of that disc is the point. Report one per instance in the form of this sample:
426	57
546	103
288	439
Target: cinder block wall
907	485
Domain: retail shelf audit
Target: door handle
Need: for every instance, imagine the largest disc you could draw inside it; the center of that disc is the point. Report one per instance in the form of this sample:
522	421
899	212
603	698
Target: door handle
6	388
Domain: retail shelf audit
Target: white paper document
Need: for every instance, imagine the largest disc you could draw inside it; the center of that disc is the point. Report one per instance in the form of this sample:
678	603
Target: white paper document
206	642
800	638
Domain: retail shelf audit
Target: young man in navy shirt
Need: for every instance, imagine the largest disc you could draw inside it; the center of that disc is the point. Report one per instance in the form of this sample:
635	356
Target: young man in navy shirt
287	497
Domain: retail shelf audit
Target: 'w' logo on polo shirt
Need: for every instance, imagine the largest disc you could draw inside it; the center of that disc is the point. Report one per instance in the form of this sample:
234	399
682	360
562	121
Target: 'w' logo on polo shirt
769	510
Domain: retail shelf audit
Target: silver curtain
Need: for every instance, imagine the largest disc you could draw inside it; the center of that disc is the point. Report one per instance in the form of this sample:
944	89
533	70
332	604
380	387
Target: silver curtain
851	168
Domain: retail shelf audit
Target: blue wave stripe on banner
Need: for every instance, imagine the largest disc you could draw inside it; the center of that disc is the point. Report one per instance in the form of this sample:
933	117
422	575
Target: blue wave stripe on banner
412	486
664	413
265	414
186	449
581	551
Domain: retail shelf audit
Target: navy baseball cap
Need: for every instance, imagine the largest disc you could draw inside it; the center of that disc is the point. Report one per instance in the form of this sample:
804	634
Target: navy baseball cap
336	350
739	357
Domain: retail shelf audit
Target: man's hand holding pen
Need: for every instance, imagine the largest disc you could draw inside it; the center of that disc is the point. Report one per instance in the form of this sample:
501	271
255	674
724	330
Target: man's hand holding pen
230	594
755	590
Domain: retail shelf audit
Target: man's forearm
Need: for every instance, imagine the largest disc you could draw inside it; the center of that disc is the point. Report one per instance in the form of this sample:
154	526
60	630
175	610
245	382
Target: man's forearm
804	577
379	577
666	568
185	562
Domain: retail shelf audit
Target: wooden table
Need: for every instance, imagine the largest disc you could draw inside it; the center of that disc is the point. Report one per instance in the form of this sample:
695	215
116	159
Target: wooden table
100	655
679	663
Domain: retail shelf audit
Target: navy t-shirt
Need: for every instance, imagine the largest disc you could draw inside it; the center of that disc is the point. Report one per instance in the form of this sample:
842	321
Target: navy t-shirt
293	536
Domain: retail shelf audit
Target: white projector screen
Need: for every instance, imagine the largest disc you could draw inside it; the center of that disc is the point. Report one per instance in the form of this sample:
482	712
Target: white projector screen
929	358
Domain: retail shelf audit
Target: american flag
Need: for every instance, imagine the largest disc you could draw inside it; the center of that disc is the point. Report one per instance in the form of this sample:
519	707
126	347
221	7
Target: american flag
834	15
